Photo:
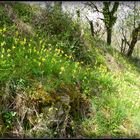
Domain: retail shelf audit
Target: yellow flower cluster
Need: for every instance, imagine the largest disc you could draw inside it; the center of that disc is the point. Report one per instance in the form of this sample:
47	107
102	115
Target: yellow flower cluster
23	42
62	69
2	31
3	43
4	51
38	54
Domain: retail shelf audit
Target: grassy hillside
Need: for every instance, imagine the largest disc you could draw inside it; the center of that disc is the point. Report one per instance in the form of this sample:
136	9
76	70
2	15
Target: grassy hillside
57	83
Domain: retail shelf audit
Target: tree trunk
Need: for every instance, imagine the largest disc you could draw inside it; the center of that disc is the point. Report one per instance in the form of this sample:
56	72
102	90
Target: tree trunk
109	35
122	44
91	28
131	47
130	50
134	41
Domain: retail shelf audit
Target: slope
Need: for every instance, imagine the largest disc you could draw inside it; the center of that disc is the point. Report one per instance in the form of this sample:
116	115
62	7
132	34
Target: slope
54	82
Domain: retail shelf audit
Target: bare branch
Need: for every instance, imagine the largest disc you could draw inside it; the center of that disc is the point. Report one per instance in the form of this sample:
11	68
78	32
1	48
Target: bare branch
115	7
94	6
100	18
87	18
125	39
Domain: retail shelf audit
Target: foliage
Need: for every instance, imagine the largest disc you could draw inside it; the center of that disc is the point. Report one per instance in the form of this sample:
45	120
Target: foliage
109	18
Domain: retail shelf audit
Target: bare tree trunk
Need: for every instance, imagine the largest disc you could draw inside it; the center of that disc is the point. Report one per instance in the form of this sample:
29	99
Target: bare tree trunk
91	28
131	47
109	35
109	18
133	41
122	46
130	50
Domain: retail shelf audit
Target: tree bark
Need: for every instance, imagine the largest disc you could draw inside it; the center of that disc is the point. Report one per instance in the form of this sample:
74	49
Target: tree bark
109	18
130	50
131	47
91	28
133	41
109	35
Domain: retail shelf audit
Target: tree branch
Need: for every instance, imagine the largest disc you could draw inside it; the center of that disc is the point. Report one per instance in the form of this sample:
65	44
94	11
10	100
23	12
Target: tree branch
87	18
115	7
94	6
125	39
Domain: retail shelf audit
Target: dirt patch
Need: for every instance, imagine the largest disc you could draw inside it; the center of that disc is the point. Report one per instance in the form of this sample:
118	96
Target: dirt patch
21	26
112	64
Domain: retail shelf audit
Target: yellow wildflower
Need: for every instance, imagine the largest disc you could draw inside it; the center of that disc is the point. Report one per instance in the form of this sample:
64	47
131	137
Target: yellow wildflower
50	109
8	55
70	56
4	29
34	49
43	59
58	51
17	33
2	56
30	50
34	60
62	51
24	40
15	41
43	46
78	63
39	63
40	41
3	43
8	50
62	69
74	71
50	49
3	50
13	47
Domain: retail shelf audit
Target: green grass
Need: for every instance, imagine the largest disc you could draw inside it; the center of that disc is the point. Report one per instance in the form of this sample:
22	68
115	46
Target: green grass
117	112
